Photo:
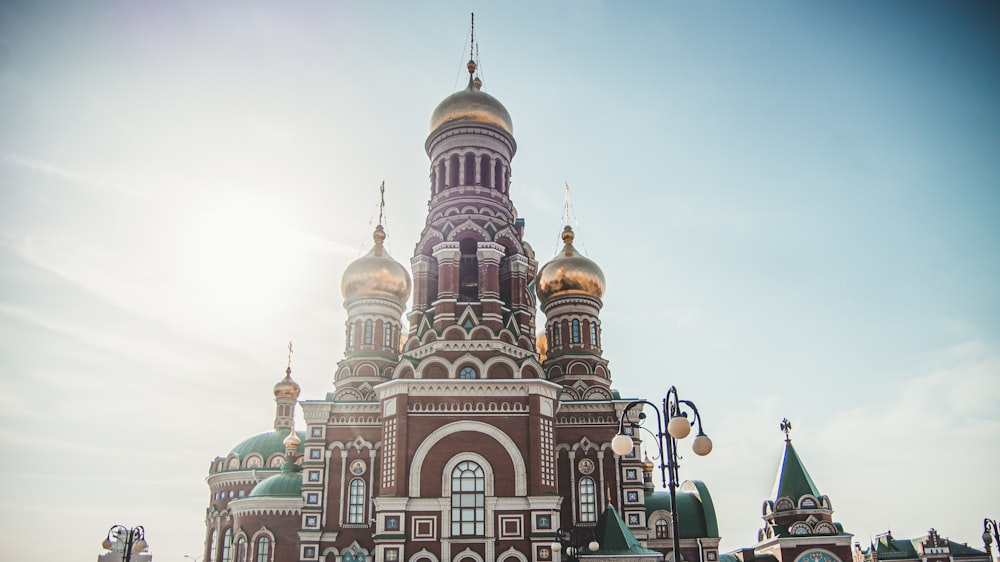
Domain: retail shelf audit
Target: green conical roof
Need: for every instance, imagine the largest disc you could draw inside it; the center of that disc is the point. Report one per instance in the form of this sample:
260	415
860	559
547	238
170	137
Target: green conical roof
695	509
793	480
285	484
615	538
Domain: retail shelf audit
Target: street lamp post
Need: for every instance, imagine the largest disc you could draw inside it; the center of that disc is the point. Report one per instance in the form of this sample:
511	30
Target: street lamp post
678	426
567	539
991	534
132	540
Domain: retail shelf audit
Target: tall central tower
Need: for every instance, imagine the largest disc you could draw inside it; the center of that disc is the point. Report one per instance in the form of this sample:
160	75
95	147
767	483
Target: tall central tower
471	267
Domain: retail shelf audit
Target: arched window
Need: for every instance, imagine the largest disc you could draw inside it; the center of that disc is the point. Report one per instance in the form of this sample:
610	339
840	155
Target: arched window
498	176
484	171
213	544
588	500
241	549
263	549
593	334
453	171
468	500
468	271
368	332
387	341
439	177
555	335
467	373
227	546
661	529
356	504
470	169
576	331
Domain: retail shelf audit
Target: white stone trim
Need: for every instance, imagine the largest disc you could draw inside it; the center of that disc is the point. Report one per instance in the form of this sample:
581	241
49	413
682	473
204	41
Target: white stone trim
520	474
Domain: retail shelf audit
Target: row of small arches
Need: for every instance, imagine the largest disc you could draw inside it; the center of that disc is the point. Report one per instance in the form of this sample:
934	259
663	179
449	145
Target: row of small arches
470	170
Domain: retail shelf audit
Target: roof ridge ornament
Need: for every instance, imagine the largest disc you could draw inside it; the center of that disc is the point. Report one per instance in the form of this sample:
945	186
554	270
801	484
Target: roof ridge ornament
786	426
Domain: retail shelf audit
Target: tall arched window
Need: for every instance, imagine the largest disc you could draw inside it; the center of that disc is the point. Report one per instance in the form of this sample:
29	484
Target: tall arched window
470	169
468	500
350	335
227	546
241	549
661	529
593	334
356	502
263	549
387	341
498	176
468	271
575	331
213	543
484	171
368	332
453	170
588	500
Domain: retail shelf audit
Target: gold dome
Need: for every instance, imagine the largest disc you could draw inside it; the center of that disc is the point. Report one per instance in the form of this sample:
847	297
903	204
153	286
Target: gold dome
292	441
376	274
472	104
542	347
286	387
569	273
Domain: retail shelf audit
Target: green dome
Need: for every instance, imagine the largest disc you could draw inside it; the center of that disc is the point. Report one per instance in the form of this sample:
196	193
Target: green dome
267	444
695	509
285	484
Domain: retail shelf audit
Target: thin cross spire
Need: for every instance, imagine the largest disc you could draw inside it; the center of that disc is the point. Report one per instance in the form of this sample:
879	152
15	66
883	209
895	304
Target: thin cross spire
381	203
472	36
566	204
288	370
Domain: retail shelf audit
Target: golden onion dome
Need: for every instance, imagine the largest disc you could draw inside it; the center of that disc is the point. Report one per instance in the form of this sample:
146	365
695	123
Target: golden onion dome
376	274
472	104
542	347
292	441
286	387
569	273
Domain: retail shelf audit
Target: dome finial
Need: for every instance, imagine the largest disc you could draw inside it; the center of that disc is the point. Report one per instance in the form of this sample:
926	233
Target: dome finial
786	426
288	370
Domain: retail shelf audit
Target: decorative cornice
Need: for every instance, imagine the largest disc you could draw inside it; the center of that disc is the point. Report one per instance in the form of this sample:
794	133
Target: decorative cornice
266	506
442	346
460	387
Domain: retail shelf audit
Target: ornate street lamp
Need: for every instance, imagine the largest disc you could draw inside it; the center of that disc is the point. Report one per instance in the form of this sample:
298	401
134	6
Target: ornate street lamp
131	541
678	426
991	534
574	545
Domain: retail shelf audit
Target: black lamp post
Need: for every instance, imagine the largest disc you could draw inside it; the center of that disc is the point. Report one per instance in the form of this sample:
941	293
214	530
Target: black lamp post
678	426
572	544
991	534
132	540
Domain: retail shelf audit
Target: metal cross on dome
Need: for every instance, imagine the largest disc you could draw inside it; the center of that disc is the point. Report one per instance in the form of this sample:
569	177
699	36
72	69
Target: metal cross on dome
290	355
786	426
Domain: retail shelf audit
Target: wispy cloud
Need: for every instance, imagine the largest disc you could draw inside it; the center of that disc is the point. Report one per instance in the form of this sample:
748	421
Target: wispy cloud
21	161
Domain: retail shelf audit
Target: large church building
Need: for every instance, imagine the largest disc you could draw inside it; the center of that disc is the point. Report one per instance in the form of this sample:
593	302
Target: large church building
468	432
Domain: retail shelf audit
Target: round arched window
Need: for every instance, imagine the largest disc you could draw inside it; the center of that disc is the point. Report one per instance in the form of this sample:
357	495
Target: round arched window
467	373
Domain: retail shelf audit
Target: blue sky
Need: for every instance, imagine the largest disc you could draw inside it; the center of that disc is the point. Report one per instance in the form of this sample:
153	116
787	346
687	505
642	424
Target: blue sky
794	205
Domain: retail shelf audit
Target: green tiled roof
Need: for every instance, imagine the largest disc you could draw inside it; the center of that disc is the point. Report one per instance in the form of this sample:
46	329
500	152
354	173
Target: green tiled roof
615	538
793	480
267	444
695	509
888	548
285	484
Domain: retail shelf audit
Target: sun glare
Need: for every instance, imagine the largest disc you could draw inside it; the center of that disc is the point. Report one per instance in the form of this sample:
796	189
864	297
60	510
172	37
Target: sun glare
237	255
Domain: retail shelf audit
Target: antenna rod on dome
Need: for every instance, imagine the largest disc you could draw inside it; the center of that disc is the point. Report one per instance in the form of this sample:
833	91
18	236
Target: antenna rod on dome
381	203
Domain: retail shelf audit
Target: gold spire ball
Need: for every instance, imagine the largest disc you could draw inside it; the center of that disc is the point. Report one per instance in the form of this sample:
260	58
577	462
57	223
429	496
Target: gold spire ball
286	387
376	274
569	273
